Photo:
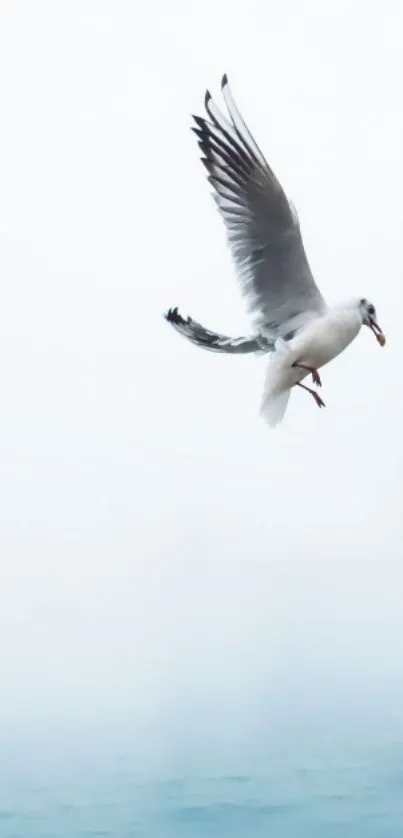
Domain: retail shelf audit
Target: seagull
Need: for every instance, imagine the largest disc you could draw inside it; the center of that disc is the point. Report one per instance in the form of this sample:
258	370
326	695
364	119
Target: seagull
291	320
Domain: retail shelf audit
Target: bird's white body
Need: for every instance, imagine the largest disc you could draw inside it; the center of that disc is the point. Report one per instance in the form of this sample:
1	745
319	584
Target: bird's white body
315	345
326	336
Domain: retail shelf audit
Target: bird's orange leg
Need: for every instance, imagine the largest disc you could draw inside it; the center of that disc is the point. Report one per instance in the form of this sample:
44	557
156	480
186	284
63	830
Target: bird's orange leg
315	374
313	393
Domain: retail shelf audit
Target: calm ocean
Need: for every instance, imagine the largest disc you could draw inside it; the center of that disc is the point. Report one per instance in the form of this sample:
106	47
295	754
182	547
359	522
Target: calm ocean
358	794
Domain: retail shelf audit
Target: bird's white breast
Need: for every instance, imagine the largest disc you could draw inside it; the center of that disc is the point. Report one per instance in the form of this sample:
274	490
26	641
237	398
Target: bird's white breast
324	338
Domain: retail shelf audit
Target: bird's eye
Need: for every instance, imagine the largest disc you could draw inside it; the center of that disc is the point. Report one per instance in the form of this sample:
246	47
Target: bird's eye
371	311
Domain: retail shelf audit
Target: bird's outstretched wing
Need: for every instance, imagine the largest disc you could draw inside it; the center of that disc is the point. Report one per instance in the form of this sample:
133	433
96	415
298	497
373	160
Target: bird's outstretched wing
262	226
207	339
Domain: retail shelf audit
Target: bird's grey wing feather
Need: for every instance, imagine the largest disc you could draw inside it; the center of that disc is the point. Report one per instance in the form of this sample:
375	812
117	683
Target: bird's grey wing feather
207	339
262	225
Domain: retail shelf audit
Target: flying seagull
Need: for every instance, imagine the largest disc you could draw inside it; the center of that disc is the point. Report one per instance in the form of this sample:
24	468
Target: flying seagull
292	321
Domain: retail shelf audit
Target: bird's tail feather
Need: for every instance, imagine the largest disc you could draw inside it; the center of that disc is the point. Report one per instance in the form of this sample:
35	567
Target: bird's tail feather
275	395
203	337
274	406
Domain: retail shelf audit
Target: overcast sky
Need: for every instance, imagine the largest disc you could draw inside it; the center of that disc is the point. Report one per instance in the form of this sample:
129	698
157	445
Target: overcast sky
159	547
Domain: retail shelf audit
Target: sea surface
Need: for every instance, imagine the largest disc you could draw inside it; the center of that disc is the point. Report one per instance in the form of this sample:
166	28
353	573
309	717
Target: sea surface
351	795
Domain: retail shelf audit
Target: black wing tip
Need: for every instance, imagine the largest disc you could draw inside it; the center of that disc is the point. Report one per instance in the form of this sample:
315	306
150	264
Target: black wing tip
200	121
172	315
208	97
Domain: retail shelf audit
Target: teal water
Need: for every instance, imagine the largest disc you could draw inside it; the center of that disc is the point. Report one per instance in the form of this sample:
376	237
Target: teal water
351	796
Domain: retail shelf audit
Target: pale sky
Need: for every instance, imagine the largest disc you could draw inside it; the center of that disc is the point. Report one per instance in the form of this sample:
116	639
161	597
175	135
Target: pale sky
160	548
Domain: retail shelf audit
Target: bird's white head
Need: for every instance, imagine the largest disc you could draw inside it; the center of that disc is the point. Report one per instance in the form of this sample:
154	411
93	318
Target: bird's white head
368	314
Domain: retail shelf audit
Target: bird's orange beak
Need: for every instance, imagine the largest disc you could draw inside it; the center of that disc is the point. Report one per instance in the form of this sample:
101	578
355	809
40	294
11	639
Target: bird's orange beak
373	325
